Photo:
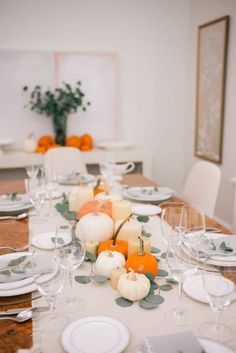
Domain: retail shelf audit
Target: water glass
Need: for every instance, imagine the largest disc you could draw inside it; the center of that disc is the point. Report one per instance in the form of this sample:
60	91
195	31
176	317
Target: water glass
32	170
170	224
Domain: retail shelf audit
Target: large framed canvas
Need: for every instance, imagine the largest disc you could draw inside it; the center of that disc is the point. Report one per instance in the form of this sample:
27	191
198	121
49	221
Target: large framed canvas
211	77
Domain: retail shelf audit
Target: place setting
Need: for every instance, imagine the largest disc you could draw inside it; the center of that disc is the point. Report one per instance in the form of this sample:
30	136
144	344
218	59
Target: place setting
14	204
76	178
149	194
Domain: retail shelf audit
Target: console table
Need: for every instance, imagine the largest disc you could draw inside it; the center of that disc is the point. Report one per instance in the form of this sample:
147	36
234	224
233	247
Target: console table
12	163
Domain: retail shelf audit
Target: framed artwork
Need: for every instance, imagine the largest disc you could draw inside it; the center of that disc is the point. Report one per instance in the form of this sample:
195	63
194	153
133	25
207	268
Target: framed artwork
211	76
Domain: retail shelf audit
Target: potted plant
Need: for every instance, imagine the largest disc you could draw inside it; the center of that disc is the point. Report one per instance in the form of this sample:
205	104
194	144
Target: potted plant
57	104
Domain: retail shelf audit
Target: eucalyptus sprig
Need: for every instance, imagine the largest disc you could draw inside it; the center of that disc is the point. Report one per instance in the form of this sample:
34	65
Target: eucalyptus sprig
63	209
13	195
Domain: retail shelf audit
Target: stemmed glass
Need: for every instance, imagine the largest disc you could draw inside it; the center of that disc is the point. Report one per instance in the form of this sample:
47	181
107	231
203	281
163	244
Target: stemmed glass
193	219
50	187
219	283
71	254
181	267
171	225
32	171
49	288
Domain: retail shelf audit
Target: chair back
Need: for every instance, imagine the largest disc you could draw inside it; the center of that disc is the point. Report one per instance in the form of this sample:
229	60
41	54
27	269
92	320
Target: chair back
202	185
65	160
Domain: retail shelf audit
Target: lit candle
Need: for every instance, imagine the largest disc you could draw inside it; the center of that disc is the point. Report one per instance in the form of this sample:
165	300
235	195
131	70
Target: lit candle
115	275
134	245
78	196
131	229
121	209
91	246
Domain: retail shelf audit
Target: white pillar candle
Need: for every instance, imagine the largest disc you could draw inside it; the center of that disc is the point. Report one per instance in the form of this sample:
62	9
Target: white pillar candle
131	229
115	275
134	245
78	196
91	246
121	209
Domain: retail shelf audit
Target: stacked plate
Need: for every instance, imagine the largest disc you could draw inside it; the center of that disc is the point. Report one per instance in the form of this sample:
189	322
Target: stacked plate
148	193
21	286
9	206
76	179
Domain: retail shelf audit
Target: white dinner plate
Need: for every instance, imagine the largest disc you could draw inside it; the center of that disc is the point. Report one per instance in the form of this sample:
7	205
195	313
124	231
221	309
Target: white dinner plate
158	198
7	206
193	287
92	334
145	209
27	285
114	145
214	347
44	240
73	179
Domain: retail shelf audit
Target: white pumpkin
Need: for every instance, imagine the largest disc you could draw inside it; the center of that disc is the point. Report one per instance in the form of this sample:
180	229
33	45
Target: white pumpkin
30	144
95	226
107	261
133	286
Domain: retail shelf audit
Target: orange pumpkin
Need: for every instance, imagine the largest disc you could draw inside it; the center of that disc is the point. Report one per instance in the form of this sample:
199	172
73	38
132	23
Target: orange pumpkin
73	141
92	206
142	262
46	141
114	244
41	149
85	147
55	145
86	138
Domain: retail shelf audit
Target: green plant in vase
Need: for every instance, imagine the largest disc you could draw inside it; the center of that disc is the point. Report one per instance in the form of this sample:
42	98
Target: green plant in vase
58	104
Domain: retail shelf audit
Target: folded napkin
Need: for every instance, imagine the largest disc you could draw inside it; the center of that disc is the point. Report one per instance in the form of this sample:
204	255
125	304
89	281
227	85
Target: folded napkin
184	342
15	267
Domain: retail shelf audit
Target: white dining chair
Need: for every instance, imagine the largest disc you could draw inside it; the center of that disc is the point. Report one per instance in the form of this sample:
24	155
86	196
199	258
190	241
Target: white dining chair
202	185
65	160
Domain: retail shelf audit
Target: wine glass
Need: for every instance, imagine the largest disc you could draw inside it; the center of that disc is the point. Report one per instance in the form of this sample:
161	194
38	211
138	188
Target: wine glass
50	287
71	252
170	224
32	170
181	266
193	221
50	187
219	282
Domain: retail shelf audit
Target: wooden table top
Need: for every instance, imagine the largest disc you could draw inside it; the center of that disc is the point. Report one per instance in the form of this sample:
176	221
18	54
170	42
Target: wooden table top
12	335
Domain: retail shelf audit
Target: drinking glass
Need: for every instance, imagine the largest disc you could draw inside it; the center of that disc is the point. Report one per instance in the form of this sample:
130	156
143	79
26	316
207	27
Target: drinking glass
219	282
71	252
170	224
50	187
181	266
50	288
32	170
193	221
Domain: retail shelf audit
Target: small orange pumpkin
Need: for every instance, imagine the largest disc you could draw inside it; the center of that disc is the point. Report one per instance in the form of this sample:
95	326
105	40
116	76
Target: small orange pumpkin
55	145
86	142
142	262
41	149
94	205
85	147
114	244
73	141
46	141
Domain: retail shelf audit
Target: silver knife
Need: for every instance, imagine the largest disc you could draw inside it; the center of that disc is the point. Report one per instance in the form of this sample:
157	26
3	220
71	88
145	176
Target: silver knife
18	310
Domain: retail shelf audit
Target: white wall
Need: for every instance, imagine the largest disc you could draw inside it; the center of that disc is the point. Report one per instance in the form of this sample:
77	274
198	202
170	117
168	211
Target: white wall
203	11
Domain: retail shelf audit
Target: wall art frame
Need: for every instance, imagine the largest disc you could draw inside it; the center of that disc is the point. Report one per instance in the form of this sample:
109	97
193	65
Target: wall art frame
210	90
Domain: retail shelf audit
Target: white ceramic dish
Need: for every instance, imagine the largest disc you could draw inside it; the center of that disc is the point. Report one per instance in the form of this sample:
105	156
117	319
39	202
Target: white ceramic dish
82	178
22	203
92	334
145	209
193	287
22	286
158	198
214	347
44	240
114	145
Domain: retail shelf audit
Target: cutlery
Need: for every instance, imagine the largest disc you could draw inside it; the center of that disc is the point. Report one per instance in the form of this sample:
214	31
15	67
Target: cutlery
16	218
19	310
21	317
25	247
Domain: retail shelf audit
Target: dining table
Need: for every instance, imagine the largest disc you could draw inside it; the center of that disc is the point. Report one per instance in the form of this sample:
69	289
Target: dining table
99	298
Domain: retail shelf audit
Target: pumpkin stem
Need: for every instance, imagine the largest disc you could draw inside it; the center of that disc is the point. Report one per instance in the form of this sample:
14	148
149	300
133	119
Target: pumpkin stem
99	180
119	228
141	250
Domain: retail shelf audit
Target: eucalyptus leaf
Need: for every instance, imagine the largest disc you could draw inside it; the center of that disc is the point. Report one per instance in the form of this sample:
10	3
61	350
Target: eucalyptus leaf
99	279
123	302
83	279
225	247
154	299
146	305
154	285
145	234
5	273
163	255
150	276
166	287
14	270
162	273
171	280
155	250
90	257
17	261
59	240
143	219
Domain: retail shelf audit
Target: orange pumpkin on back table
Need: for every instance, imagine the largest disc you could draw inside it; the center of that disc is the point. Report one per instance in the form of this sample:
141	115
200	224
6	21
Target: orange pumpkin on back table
73	141
142	262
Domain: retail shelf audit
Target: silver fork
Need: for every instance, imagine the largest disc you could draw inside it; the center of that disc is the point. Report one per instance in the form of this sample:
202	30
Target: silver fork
25	247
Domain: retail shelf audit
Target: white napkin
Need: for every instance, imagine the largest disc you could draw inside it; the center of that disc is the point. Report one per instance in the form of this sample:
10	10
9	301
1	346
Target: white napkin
180	342
10	271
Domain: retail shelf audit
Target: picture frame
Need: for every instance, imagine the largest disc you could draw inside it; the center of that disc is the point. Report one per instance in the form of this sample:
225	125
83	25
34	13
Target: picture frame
210	90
